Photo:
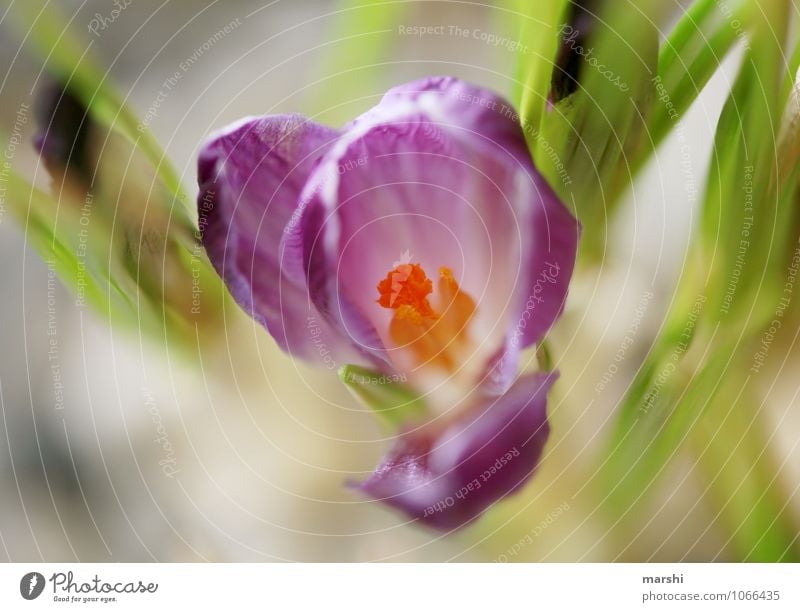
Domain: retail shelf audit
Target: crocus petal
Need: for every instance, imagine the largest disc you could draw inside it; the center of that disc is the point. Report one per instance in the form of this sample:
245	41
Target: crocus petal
456	103
448	480
555	234
250	177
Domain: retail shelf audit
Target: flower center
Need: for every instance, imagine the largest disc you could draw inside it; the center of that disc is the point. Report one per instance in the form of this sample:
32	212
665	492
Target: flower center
435	336
407	285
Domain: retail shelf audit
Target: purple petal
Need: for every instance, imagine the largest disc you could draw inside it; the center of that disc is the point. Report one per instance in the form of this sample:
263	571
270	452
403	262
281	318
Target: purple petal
459	104
555	236
250	177
449	480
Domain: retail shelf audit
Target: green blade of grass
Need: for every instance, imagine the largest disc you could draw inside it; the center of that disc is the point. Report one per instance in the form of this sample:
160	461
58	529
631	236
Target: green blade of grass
392	402
696	360
690	55
600	128
64	54
539	31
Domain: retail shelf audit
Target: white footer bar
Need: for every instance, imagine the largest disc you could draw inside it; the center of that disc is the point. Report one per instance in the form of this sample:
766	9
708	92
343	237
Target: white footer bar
390	587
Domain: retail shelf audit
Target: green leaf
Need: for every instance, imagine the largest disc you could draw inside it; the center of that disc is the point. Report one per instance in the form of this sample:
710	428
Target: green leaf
540	27
393	402
697	362
124	240
585	142
747	199
77	253
744	478
689	57
743	160
70	59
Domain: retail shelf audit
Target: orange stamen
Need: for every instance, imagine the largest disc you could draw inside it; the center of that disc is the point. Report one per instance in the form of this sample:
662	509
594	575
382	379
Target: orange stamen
433	337
407	285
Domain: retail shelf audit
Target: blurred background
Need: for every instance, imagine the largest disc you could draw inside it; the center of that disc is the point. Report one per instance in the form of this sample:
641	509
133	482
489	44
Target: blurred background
116	448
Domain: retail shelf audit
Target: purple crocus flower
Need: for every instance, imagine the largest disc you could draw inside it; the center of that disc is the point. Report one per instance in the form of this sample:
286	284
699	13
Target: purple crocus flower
419	241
